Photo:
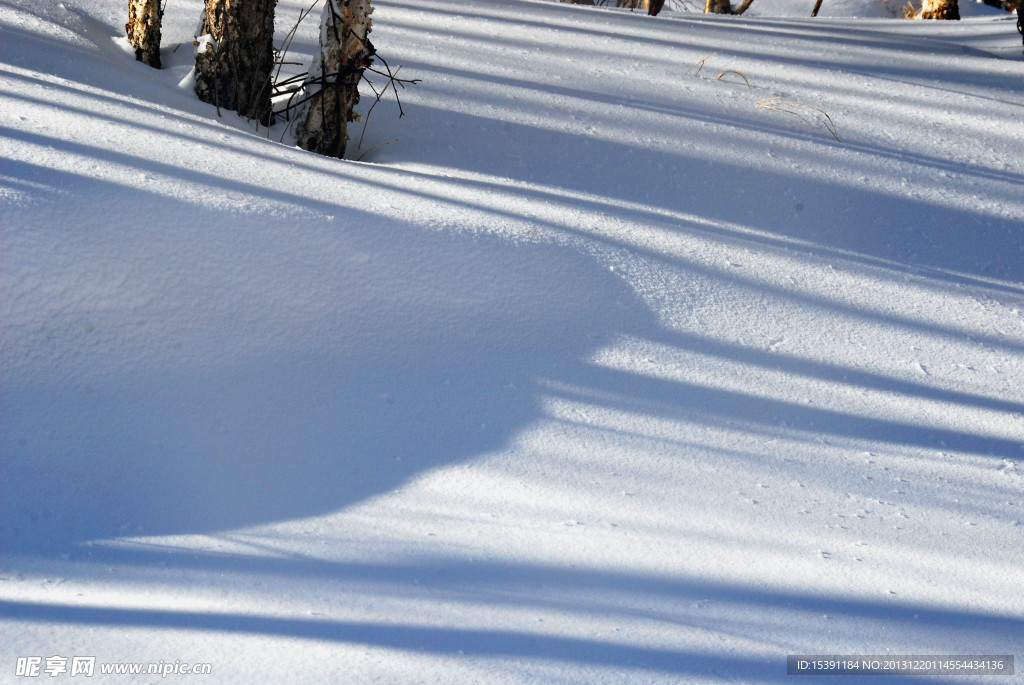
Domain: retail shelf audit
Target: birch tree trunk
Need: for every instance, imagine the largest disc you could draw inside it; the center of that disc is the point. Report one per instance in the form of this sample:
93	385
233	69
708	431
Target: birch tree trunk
235	56
939	9
143	29
331	90
717	7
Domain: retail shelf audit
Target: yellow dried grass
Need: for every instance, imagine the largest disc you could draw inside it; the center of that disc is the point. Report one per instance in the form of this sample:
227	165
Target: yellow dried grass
812	116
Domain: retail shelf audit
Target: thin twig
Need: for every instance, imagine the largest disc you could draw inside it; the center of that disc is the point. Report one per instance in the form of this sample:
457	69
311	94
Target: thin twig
290	36
393	83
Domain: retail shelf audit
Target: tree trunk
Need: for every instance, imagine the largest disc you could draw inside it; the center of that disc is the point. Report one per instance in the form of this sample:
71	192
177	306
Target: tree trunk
817	6
654	6
717	7
331	90
632	4
235	56
939	9
743	7
143	29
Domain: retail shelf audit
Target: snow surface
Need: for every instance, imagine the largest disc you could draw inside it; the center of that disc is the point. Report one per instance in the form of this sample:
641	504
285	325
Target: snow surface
860	9
652	350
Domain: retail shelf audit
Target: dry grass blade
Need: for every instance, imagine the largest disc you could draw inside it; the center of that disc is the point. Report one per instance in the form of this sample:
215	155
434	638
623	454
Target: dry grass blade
738	73
812	116
700	64
371	149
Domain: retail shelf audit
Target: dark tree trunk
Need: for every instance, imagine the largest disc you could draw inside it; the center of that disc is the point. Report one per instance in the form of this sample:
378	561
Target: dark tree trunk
143	29
817	6
654	6
332	87
235	56
717	7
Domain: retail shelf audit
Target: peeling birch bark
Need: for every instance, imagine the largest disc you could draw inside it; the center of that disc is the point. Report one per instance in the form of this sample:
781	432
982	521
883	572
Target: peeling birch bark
331	89
143	29
939	9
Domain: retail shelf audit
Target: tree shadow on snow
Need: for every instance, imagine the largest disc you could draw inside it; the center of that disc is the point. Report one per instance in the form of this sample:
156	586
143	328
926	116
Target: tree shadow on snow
258	395
672	604
282	375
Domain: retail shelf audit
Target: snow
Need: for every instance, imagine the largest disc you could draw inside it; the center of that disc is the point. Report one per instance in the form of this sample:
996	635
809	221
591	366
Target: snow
861	9
640	350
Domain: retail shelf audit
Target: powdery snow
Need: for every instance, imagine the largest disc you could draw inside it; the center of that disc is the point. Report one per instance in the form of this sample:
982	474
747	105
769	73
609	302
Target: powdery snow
652	350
